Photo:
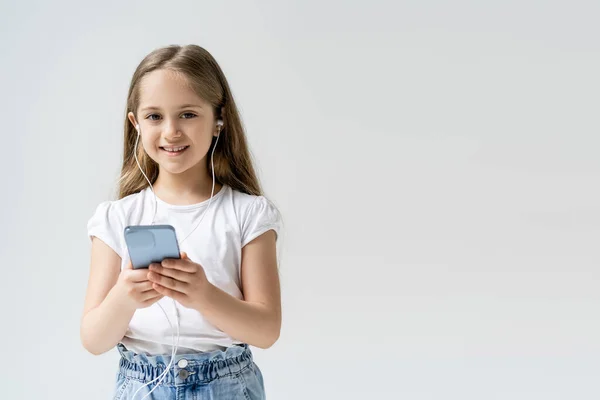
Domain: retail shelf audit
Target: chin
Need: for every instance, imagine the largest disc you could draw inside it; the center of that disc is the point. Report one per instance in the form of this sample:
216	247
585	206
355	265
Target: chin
171	169
178	168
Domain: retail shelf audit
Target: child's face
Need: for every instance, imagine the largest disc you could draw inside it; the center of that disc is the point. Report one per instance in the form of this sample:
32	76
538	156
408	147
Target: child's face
171	125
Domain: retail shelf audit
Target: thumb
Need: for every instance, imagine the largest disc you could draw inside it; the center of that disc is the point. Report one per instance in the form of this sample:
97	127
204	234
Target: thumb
184	255
129	265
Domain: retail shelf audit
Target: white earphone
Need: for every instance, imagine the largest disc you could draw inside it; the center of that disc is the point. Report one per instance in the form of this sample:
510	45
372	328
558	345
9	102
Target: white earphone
176	343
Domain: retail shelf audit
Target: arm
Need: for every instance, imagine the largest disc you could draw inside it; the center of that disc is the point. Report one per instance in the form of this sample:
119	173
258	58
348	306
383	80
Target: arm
106	315
256	320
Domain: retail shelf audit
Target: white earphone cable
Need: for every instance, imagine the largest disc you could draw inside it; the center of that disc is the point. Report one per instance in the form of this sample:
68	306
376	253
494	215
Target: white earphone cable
176	342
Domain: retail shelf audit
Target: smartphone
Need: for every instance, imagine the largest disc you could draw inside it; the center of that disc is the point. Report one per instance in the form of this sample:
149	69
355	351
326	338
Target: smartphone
149	244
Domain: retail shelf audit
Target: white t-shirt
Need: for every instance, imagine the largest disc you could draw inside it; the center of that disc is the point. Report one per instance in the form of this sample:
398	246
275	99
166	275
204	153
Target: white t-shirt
233	220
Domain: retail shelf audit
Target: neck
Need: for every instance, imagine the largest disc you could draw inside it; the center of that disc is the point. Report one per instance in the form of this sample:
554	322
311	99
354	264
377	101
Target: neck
189	187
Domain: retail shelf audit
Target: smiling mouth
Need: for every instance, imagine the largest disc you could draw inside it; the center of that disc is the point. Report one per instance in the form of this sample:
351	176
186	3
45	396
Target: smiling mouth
173	151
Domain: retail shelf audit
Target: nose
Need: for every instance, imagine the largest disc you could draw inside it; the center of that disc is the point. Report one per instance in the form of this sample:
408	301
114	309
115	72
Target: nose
171	128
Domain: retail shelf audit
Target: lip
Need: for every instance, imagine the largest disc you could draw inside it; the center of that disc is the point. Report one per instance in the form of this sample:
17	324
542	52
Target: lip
174	154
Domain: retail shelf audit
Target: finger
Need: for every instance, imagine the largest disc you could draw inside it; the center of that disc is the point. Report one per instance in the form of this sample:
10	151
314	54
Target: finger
168	282
185	265
129	265
143	286
171	273
151	300
139	275
168	292
150	294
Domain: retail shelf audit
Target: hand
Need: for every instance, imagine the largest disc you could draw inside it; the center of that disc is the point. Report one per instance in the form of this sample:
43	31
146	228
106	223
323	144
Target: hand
181	279
134	286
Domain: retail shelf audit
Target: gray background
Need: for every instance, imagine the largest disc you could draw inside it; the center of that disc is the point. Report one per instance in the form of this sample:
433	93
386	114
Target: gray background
436	164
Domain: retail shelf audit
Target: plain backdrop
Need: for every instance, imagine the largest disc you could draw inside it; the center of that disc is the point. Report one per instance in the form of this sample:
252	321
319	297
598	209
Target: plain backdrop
436	164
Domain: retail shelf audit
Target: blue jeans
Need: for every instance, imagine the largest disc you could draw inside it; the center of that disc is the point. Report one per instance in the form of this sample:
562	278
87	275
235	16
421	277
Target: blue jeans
228	374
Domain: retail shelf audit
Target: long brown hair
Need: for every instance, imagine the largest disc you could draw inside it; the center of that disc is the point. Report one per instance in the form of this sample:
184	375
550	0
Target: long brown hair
232	158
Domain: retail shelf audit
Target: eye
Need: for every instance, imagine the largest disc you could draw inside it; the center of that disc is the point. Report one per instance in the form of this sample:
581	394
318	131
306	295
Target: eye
192	115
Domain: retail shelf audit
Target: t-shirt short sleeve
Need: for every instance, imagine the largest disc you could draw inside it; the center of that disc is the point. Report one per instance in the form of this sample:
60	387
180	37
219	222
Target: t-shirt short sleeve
261	217
107	226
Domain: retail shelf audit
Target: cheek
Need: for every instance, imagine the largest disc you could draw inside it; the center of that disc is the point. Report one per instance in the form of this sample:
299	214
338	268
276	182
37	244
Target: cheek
147	148
150	144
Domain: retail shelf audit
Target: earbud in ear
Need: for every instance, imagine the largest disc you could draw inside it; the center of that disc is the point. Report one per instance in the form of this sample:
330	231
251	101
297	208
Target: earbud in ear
219	126
137	127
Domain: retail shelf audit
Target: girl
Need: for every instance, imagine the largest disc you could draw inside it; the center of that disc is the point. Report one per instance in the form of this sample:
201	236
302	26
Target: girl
224	289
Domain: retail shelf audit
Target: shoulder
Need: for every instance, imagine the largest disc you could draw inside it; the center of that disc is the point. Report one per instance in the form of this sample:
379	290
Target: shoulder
121	207
240	198
256	214
115	213
248	205
110	218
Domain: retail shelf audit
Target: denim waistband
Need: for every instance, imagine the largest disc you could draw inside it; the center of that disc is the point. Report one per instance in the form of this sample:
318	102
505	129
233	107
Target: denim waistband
186	368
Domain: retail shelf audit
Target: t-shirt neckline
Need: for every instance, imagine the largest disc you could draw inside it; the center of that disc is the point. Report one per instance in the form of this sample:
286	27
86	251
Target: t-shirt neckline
184	207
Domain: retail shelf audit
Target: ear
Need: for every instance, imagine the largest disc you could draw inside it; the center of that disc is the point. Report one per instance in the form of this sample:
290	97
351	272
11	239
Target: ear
131	118
219	128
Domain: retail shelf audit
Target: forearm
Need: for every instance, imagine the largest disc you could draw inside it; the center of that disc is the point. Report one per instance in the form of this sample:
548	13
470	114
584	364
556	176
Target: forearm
252	323
104	326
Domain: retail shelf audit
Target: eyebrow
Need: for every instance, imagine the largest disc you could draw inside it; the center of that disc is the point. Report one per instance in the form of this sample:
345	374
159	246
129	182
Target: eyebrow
180	107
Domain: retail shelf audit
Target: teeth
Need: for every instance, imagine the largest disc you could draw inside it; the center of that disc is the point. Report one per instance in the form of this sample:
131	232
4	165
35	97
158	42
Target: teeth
173	149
